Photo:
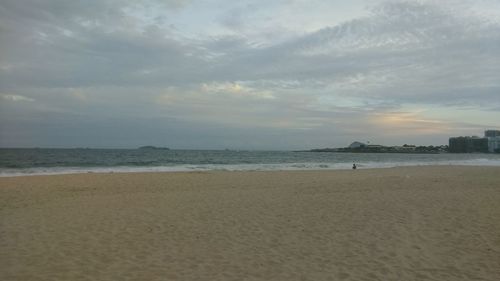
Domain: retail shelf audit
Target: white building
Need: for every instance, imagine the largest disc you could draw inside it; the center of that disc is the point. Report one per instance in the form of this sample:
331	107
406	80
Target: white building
493	144
492	133
357	144
493	137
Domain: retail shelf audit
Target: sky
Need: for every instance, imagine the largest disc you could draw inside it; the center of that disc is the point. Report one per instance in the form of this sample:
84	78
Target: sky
263	75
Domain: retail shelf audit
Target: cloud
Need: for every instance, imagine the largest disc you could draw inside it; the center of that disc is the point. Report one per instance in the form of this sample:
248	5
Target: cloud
255	69
16	98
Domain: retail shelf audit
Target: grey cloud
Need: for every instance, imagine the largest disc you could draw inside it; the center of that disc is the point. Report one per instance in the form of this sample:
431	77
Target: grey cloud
96	60
421	53
47	44
424	34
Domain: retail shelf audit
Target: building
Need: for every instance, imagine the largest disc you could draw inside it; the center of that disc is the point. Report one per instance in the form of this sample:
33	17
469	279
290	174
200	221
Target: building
468	144
494	145
357	144
493	137
406	148
491	133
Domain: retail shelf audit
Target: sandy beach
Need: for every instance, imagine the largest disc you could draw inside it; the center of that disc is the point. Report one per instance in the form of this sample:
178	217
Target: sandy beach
412	223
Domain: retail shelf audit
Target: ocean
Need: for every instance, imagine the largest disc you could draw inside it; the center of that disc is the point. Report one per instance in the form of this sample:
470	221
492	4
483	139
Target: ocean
18	162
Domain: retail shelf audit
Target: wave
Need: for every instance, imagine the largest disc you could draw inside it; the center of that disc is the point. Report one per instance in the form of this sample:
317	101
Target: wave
13	172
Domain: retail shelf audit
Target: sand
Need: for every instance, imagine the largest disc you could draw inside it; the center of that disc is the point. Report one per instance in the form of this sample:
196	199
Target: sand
415	223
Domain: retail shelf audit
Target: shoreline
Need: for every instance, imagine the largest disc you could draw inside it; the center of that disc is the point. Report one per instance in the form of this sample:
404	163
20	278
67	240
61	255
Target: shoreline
224	168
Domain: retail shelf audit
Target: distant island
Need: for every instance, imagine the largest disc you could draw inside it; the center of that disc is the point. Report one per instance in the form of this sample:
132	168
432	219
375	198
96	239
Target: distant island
150	147
359	147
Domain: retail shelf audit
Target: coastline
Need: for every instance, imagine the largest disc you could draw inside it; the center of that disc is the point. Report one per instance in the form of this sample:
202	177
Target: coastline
406	223
283	167
59	161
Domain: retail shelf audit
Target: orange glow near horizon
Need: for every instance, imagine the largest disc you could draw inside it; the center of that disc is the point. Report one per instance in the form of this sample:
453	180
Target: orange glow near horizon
410	123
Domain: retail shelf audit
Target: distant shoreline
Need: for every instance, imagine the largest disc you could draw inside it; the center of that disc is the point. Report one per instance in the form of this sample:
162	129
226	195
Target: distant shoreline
380	152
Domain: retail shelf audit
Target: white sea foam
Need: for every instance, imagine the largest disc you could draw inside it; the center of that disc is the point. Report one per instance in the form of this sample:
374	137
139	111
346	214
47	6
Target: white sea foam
242	167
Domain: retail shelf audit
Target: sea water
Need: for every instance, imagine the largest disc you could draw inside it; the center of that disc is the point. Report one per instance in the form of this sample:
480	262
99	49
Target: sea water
16	162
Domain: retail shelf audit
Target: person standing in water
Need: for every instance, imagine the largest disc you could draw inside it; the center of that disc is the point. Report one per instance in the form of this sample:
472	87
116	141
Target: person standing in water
354	166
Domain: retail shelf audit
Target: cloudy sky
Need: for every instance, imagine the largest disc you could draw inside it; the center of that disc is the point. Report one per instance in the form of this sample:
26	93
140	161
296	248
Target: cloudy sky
215	74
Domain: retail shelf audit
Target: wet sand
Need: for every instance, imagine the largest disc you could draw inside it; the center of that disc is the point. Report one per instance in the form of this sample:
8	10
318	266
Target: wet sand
412	223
